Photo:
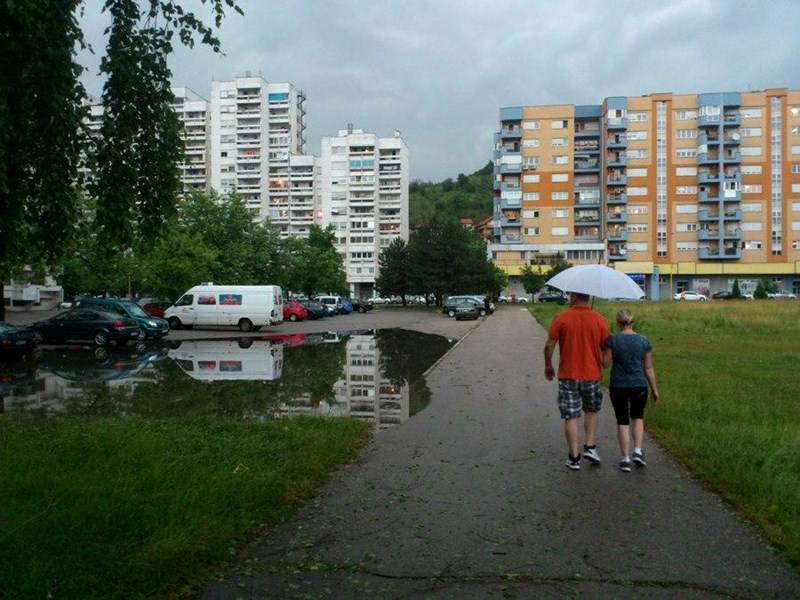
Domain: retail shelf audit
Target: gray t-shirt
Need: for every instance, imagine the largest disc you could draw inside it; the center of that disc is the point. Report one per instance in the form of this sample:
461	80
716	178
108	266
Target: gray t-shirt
628	352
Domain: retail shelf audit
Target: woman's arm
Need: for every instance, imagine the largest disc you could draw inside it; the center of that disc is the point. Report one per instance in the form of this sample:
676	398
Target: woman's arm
606	356
650	373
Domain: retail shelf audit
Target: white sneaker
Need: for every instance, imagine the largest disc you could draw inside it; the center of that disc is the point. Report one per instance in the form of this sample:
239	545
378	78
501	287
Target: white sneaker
591	454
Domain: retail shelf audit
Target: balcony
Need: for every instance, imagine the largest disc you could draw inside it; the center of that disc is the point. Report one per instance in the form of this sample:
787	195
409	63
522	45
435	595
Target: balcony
509	187
732	120
506	151
511	133
510	222
496	185
617	217
616	123
704	215
617	235
618	180
732	157
708	121
582	166
732	234
705	138
617	199
587	133
732	253
706	176
732	140
619	142
619	160
617	252
510	239
507	169
509	203
705	158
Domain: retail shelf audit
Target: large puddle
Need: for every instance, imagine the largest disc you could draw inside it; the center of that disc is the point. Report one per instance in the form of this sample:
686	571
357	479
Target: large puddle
374	375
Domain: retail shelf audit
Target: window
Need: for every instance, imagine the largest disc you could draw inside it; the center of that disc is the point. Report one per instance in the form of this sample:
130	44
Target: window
560	159
637	246
752	151
637	191
685	115
637	227
560	124
636	135
560	213
796	246
186	300
559	196
795	225
750	226
751	188
530	125
637	172
637	116
685	153
752	245
640	153
687	134
795	130
685	227
558	142
531	162
533	231
750	131
206	299
750	169
796	168
750	113
795	149
796	188
530	179
558	231
530	196
686	190
560	177
686	209
751	207
531	143
637	209
530	214
795	110
686	171
685	247
796	206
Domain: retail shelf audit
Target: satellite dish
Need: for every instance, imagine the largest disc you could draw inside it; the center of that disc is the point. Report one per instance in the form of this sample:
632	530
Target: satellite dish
735	136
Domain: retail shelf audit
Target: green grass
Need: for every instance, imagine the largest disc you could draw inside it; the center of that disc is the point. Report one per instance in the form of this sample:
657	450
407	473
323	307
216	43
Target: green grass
135	508
730	407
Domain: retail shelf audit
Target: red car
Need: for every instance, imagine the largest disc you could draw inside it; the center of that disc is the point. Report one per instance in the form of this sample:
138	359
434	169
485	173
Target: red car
156	309
293	310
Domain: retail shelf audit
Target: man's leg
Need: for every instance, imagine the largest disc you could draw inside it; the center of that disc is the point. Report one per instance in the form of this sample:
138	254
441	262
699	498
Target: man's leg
591	399
571	433
590	427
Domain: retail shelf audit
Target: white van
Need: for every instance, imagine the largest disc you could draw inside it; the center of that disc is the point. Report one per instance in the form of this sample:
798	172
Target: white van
248	307
245	359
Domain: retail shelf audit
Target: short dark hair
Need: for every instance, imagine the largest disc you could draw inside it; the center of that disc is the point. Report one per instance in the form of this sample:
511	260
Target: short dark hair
581	297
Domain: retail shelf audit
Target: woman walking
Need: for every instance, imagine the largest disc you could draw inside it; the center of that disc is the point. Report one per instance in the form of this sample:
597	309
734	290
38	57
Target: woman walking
631	373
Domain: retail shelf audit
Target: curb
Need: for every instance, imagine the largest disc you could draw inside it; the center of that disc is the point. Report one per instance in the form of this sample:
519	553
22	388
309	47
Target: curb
446	354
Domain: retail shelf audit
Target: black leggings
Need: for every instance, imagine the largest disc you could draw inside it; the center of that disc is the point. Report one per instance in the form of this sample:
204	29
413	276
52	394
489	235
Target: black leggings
628	403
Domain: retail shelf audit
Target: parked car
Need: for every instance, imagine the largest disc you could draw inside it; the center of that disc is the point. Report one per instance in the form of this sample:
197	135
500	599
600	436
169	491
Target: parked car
332	303
85	324
293	310
156	309
782	296
248	307
15	341
361	306
724	295
478	298
551	296
346	306
153	327
451	306
467	312
316	310
688	296
512	299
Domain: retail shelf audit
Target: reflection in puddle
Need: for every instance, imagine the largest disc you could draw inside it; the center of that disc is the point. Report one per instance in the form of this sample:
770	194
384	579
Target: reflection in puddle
369	375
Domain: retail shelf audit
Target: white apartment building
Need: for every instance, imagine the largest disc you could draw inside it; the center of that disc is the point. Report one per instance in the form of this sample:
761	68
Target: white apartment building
93	123
364	195
255	126
192	110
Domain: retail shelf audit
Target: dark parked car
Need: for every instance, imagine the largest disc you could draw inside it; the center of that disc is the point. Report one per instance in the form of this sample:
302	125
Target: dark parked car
14	341
84	324
722	295
345	307
102	364
552	296
156	309
316	310
361	306
153	327
294	311
452	305
468	312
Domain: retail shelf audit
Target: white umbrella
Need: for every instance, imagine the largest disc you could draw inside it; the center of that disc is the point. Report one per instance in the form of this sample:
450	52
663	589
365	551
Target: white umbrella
596	280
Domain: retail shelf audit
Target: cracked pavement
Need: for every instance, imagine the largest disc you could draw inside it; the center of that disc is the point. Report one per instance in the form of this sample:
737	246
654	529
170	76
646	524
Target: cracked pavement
470	499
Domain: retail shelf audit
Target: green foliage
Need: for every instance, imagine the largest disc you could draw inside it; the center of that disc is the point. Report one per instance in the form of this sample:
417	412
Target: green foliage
770	287
469	196
761	291
557	264
736	293
394	277
178	261
498	280
532	279
313	265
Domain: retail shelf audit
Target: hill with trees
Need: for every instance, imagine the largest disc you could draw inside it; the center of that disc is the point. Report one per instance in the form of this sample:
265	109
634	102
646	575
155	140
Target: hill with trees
466	196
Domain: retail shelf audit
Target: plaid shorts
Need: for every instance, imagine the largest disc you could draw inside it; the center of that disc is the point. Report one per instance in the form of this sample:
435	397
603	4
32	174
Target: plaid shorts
577	394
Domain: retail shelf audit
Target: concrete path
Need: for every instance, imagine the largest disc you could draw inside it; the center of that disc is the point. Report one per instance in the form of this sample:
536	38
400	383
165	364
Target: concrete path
471	499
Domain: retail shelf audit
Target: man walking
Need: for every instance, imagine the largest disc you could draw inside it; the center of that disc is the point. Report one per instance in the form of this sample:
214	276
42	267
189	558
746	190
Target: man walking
580	333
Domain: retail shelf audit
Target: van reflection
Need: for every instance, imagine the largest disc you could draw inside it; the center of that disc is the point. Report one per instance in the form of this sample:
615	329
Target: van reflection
245	359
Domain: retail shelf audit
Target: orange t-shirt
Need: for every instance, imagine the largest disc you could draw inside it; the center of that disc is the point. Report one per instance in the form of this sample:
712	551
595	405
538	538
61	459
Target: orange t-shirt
580	333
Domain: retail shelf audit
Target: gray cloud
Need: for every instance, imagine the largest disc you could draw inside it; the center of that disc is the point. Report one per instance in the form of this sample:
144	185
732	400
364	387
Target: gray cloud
438	71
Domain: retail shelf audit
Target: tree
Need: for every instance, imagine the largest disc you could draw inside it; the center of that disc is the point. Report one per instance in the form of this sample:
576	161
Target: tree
178	261
394	275
498	279
313	265
761	291
770	287
736	293
557	264
532	280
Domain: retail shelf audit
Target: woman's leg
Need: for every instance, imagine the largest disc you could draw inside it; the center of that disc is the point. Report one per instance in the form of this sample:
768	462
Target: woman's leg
638	402
637	428
619	399
624	438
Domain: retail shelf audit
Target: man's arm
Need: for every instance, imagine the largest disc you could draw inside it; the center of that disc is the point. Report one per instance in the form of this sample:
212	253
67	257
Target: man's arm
549	348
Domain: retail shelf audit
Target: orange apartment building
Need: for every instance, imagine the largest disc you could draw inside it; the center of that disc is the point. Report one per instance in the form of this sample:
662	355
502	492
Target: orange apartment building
681	191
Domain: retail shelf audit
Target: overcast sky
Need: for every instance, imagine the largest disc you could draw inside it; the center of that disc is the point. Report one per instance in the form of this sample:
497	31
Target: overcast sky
438	71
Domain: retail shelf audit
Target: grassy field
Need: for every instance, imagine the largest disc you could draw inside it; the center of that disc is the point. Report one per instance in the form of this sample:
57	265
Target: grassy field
730	410
138	507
